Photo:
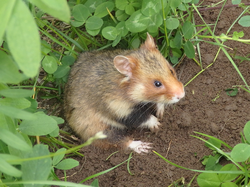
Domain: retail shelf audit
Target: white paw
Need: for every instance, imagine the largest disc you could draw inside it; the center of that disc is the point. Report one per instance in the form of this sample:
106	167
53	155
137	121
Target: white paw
152	123
160	110
139	146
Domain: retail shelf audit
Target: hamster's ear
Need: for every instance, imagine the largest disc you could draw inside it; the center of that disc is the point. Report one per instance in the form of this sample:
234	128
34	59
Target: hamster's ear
149	43
123	65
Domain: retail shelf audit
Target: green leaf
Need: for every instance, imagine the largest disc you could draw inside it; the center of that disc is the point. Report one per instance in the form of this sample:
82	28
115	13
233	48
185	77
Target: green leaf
67	164
16	93
16	113
172	23
43	125
189	49
137	22
236	2
129	9
149	7
110	33
58	119
9	72
247	131
156	21
14	141
214	142
59	157
6	8
49	64
8	169
121	28
23	39
177	40
121	15
208	180
240	152
175	3
229	184
11	159
188	30
56	8
20	103
45	47
94	23
92	4
232	91
121	5
93	32
38	169
245	21
61	71
237	35
33	107
102	9
228	176
68	60
80	12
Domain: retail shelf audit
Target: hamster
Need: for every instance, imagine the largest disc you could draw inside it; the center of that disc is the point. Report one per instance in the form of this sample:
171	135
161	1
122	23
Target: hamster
113	91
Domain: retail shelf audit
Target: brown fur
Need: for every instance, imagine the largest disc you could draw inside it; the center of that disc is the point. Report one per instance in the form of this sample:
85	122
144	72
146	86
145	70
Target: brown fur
100	91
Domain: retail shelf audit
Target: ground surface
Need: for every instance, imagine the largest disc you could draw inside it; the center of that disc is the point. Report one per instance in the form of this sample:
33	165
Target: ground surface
206	109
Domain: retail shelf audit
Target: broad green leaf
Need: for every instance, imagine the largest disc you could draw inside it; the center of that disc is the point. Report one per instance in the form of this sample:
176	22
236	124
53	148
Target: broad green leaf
245	21
129	9
208	180
121	15
14	141
58	119
76	23
16	93
102	9
9	72
23	39
189	49
56	8
135	43
6	8
20	103
59	157
116	41
237	35
33	106
43	125
16	113
55	132
214	142
45	47
188	30
228	176
172	23
49	64
67	164
236	2
94	23
177	40
137	22
11	159
186	1
8	169
183	7
175	3
247	131
110	33
240	152
92	4
121	28
93	32
61	71
38	169
121	5
232	91
156	21
80	12
150	7
68	60
229	184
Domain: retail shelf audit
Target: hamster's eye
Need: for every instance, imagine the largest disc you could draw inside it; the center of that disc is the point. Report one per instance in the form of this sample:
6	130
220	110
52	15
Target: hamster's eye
157	84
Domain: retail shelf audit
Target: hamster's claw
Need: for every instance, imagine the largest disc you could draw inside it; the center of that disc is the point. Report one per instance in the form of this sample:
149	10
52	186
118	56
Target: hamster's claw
140	147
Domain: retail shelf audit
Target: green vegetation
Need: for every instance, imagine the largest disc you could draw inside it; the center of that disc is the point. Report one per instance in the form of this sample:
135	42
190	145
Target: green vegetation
47	36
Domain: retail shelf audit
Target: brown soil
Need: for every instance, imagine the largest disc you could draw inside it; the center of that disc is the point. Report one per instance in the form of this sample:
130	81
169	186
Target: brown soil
206	109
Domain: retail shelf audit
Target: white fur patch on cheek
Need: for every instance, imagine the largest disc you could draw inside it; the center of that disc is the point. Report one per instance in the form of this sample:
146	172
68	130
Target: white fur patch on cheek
139	146
137	92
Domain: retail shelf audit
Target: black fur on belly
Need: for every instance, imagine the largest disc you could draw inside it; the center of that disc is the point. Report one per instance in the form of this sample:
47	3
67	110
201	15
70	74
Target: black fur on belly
139	115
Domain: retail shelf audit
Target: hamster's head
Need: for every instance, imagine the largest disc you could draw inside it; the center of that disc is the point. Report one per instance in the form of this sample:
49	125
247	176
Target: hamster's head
149	77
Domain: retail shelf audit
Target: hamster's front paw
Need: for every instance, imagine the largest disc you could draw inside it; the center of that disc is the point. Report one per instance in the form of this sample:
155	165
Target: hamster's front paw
152	123
139	146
